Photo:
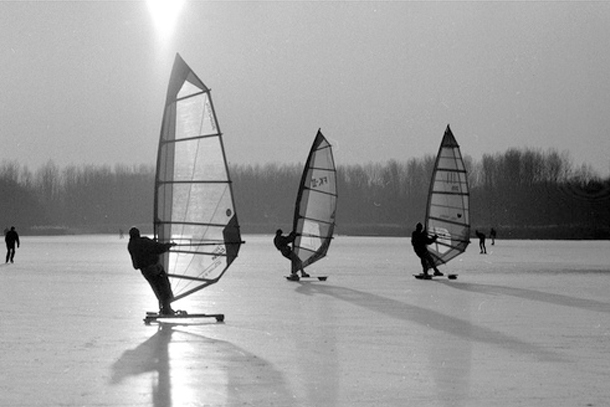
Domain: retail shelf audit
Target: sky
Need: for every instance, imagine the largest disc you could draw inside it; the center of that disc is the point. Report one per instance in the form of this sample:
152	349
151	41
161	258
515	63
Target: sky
84	82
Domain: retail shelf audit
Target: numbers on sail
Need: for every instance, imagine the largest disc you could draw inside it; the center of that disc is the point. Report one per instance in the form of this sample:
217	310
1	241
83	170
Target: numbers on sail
217	258
318	182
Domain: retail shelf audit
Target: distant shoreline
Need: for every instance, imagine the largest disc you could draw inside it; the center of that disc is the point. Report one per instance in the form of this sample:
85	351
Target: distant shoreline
556	232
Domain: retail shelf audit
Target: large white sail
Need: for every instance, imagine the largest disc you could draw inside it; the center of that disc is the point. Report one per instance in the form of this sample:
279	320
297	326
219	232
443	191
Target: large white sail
316	205
194	205
448	210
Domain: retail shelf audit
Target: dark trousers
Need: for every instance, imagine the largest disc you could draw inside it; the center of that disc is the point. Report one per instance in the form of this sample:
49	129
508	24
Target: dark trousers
10	253
159	282
426	260
294	259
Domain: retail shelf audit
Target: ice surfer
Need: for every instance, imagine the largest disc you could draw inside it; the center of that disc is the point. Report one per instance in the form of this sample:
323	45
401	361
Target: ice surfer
11	238
481	237
420	241
282	244
145	254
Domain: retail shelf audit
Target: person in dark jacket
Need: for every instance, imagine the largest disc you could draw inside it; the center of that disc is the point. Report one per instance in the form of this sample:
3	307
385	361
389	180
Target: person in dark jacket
11	238
145	254
420	241
282	243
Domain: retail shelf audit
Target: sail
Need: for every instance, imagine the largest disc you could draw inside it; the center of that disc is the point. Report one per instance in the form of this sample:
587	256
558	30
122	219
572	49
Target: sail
194	205
314	215
447	214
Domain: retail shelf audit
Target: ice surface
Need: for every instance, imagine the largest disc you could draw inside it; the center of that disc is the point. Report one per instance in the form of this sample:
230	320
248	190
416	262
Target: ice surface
526	325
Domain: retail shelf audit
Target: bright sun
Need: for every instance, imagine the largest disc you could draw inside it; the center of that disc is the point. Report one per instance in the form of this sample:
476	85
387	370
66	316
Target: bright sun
164	14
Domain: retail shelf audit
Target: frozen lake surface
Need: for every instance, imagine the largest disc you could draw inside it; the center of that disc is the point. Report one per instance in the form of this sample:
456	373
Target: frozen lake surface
526	325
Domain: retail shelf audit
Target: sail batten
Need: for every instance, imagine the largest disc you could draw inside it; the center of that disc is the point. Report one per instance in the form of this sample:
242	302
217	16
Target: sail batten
199	252
448	208
321	168
180	98
314	217
193	182
447	194
326	193
321	221
187	277
447	221
194	205
203	136
452	170
195	224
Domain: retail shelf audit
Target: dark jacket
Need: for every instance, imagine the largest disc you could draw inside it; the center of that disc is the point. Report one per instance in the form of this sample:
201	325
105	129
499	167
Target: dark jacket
145	251
420	240
11	238
281	242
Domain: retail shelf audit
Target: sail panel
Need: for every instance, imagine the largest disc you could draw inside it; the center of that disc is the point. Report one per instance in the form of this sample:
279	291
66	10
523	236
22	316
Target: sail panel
194	117
194	205
191	86
314	219
205	203
448	210
198	160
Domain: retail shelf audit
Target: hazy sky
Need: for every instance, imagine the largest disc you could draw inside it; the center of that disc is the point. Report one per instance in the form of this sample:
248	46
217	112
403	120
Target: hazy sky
85	81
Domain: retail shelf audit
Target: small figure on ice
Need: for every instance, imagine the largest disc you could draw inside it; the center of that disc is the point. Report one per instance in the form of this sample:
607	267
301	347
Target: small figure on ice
420	241
481	237
492	235
282	243
11	238
145	254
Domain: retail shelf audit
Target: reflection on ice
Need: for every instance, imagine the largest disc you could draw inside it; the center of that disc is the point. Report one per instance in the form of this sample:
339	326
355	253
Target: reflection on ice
184	366
526	324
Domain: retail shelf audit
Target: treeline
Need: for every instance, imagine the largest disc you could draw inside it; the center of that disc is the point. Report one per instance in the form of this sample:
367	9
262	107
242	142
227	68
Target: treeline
83	199
521	193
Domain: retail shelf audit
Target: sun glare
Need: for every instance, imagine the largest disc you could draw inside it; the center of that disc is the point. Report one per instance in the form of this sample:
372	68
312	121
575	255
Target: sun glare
164	14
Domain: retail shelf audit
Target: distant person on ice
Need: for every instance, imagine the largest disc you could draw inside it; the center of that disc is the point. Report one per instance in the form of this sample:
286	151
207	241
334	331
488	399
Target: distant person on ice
11	238
420	241
481	237
492	234
145	254
282	244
